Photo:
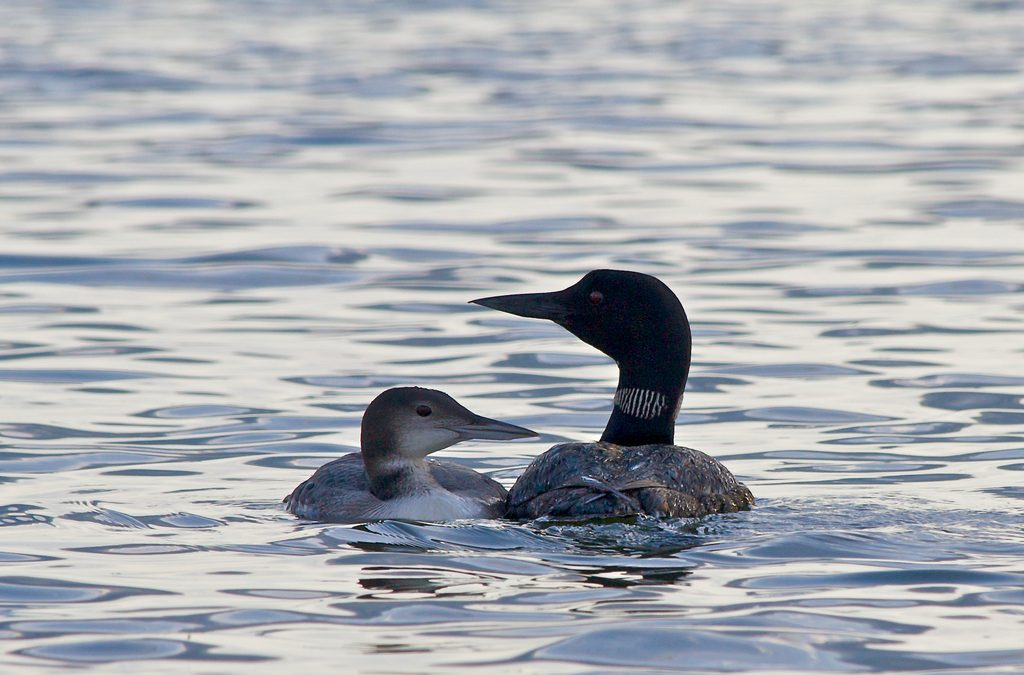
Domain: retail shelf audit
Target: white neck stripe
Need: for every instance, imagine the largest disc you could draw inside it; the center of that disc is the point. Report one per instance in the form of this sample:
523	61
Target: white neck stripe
643	403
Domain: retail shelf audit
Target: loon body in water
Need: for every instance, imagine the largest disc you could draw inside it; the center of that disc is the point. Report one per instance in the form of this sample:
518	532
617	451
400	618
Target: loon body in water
391	477
635	468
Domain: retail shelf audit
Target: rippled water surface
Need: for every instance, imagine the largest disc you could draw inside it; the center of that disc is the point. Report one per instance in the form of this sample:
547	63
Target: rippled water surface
227	225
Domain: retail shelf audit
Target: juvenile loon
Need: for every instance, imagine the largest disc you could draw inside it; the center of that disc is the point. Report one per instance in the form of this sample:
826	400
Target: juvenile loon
391	477
635	468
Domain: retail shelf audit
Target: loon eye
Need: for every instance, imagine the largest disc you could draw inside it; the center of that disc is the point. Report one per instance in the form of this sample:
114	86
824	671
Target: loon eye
423	410
596	297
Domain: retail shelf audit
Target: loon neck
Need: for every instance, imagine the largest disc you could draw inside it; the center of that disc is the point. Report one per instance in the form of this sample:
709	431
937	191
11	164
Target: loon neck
647	401
399	477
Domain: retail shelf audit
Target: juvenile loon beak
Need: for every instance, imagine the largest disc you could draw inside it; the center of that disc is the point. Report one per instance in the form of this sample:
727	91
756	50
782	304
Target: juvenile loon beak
551	306
485	428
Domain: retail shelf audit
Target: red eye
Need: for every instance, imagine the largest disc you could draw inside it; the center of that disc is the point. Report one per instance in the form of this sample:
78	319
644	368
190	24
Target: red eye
423	410
596	297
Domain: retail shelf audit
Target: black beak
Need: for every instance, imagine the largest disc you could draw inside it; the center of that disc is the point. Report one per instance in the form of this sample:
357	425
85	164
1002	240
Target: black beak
551	306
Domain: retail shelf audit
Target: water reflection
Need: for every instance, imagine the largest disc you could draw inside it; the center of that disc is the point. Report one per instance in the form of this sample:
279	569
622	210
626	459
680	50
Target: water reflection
229	224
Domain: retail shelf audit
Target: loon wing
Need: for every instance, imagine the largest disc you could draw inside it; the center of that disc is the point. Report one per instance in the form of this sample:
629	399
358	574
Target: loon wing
603	480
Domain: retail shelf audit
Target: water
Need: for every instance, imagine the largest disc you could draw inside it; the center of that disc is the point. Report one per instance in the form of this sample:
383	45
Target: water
227	225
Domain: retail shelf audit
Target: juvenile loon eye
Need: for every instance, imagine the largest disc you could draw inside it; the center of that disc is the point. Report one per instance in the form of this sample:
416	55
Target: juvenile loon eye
596	297
423	410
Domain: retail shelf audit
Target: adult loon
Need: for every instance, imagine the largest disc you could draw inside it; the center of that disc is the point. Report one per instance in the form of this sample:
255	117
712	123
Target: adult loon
391	477
635	468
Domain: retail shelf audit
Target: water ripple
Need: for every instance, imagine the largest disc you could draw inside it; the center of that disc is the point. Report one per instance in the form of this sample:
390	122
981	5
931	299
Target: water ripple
34	590
229	225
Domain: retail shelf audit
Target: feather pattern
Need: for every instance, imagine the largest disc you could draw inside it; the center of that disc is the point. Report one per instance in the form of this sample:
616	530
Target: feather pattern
643	403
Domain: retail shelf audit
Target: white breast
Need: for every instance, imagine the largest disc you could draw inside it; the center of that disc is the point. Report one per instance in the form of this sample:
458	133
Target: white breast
434	505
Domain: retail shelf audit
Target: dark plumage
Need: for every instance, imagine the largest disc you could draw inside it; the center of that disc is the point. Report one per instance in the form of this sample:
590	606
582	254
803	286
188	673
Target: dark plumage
587	480
636	468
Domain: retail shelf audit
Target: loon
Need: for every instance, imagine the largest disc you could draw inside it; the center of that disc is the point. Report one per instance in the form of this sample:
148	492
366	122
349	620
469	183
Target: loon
635	468
391	477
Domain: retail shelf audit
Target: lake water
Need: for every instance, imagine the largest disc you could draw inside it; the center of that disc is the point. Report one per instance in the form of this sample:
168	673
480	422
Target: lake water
226	226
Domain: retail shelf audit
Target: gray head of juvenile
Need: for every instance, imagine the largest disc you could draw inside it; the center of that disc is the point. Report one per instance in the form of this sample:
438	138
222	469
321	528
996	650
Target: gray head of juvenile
409	423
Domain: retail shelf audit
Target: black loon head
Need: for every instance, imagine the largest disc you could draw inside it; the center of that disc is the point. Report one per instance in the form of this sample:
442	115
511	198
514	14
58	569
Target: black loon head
638	321
405	424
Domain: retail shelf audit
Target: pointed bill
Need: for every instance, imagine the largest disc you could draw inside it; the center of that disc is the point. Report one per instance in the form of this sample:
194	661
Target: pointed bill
551	306
484	428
